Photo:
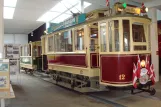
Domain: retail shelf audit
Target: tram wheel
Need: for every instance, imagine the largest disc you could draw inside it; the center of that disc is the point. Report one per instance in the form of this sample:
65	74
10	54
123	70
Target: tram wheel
152	91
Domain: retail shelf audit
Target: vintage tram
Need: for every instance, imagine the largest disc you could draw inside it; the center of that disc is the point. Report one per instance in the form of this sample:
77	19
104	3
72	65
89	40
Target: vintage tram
101	51
31	59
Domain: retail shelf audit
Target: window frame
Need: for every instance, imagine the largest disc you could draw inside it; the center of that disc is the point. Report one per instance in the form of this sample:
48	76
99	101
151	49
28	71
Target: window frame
74	40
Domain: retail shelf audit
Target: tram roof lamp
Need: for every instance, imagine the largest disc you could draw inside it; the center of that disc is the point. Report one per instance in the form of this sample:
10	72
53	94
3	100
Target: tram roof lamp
124	5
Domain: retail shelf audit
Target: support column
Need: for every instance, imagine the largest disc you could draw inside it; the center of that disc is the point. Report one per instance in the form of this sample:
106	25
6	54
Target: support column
82	6
154	40
1	29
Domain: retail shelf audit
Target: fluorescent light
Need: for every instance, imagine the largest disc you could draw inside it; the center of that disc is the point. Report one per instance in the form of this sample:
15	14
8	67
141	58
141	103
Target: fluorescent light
61	18
48	16
77	8
63	6
70	3
86	4
10	3
59	8
8	12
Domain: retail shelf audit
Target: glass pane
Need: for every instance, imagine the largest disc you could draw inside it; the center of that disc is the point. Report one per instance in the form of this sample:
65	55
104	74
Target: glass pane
103	37
68	41
110	23
116	31
126	35
25	51
149	42
50	44
138	48
94	38
138	32
79	39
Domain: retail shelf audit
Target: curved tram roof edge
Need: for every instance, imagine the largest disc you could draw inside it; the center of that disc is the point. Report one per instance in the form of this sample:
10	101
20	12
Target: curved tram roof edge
94	20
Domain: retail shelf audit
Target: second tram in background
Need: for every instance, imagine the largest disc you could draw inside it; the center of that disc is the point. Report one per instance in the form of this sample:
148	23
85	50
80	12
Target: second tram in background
31	59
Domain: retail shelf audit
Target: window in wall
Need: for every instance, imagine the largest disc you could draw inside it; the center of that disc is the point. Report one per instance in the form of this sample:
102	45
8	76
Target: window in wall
110	23
79	39
138	32
103	37
116	32
126	35
50	44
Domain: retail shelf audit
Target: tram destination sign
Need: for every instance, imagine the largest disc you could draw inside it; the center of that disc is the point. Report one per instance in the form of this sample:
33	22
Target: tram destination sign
67	23
129	9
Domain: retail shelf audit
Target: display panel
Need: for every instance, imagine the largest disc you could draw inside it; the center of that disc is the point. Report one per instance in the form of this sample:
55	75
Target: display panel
4	75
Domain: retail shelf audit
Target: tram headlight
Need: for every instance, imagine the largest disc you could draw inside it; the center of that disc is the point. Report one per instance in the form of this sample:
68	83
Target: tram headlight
142	63
146	9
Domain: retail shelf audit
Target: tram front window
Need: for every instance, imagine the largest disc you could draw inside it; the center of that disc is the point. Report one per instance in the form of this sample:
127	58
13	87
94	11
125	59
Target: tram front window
116	33
138	32
103	37
126	35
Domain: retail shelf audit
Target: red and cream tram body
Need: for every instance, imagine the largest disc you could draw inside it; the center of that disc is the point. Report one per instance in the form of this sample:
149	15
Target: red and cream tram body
99	52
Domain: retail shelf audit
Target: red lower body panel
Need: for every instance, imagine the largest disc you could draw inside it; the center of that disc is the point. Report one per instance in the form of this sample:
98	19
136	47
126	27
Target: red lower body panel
70	60
118	69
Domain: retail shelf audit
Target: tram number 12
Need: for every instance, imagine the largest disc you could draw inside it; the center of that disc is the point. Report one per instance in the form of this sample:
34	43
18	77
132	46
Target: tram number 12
122	77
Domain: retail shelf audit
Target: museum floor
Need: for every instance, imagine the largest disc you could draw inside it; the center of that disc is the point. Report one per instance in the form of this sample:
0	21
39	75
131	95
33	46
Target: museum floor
34	92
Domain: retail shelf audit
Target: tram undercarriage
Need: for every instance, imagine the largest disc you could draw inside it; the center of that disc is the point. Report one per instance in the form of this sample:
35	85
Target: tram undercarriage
76	82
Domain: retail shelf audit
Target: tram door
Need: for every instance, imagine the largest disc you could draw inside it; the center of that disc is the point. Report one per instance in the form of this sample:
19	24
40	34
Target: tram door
159	45
94	45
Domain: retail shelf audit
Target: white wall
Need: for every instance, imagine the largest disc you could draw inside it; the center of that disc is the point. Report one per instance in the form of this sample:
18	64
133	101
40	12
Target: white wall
15	38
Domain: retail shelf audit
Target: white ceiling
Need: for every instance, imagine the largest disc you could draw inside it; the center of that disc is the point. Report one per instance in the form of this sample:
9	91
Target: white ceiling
26	14
28	11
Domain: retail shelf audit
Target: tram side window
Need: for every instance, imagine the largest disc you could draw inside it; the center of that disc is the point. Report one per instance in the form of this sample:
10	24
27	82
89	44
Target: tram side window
57	42
50	44
79	39
110	23
116	33
126	35
68	41
29	50
138	32
103	37
63	42
25	51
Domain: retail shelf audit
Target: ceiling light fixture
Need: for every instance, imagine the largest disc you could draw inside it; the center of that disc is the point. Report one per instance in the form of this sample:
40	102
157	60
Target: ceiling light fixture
8	12
48	16
61	18
10	3
63	10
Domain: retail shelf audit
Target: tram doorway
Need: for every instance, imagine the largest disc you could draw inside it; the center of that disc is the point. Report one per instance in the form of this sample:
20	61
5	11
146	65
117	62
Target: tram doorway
159	45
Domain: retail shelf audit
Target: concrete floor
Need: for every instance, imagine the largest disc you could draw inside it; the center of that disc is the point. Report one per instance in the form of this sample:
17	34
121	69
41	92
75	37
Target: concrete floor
33	92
